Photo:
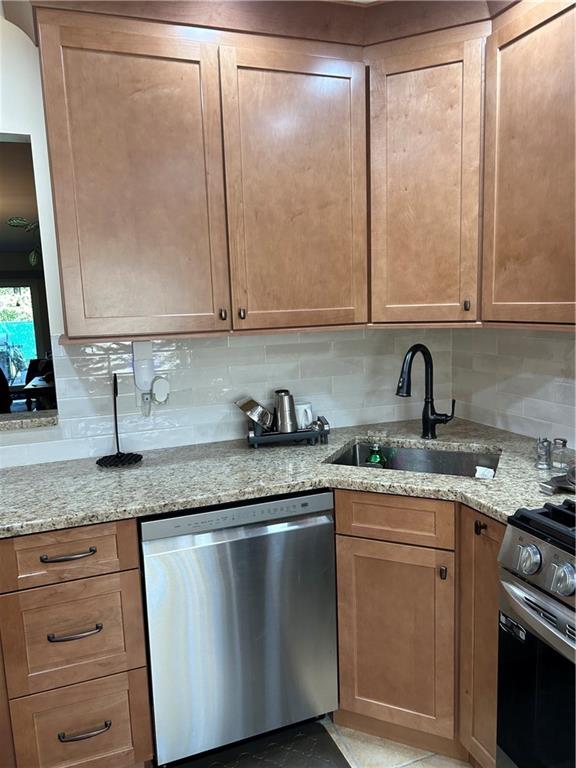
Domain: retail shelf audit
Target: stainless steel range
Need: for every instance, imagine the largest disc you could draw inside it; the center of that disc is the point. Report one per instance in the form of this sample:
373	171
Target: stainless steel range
537	639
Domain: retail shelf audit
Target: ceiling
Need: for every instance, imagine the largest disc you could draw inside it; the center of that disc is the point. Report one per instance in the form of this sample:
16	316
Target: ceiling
17	193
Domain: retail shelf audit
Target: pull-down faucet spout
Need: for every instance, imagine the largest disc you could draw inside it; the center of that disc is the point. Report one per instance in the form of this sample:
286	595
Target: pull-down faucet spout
404	389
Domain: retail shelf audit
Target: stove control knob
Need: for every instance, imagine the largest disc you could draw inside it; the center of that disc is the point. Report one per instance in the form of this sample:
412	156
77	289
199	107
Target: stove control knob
564	581
529	560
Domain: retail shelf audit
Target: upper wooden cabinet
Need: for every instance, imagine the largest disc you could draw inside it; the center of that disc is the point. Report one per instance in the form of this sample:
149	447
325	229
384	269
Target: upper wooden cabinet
529	168
134	132
425	176
294	137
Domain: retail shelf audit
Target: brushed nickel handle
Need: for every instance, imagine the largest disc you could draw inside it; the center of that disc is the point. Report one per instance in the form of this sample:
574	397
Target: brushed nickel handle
223	314
52	638
467	304
443	572
67	558
64	738
242	313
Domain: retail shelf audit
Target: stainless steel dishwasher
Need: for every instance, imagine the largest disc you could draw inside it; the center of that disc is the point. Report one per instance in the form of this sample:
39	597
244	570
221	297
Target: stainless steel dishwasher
241	607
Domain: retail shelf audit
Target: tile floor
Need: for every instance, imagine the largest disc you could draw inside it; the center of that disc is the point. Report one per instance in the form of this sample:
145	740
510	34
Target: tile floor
364	751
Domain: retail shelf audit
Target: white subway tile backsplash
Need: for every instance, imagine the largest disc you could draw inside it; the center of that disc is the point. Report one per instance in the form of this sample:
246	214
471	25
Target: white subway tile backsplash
518	380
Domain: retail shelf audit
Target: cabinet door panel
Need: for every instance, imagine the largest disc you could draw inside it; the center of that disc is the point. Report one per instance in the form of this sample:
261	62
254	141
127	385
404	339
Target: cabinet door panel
529	262
479	587
294	132
101	618
134	137
115	709
396	634
425	139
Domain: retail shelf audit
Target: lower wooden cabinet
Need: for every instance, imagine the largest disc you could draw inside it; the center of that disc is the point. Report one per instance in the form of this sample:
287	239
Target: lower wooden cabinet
396	633
479	543
98	724
65	633
73	682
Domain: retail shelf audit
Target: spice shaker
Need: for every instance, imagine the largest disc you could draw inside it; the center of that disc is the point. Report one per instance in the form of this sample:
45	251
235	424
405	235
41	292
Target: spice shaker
543	453
559	453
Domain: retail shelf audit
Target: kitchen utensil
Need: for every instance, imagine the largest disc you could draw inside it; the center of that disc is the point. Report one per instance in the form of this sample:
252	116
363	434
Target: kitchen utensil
560	483
255	412
285	416
304	415
118	459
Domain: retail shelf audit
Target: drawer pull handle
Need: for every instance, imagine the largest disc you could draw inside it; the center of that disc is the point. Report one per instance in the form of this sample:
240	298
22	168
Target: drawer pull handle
443	571
66	558
64	738
76	636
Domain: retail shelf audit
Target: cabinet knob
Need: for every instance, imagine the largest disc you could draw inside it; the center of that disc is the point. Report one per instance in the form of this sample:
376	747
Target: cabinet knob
443	572
467	304
479	527
223	314
242	313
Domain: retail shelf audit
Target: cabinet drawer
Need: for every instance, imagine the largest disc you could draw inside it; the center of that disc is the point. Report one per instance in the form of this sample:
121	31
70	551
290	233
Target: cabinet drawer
100	724
67	633
47	558
403	519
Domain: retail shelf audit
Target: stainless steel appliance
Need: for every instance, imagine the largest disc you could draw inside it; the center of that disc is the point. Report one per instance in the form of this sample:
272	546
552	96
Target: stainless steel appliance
241	608
537	639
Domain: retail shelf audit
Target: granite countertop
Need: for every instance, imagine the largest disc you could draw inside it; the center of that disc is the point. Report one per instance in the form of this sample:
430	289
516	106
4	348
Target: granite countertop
28	420
46	497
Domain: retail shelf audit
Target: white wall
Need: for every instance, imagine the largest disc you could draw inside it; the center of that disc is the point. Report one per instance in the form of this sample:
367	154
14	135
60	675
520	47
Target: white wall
21	112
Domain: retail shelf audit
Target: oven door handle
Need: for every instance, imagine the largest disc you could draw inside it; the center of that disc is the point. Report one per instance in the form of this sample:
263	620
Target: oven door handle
521	603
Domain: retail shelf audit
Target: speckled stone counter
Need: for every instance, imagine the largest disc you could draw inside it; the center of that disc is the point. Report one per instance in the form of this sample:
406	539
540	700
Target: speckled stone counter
46	497
28	420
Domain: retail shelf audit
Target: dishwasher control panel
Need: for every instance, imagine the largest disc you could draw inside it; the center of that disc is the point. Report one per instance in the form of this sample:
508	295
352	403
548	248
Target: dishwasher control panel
262	511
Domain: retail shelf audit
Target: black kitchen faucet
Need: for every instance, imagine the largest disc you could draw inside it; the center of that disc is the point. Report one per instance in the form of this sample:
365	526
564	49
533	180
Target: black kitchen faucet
404	389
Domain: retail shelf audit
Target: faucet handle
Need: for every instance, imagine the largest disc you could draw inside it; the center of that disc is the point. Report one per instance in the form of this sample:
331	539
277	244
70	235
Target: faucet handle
444	418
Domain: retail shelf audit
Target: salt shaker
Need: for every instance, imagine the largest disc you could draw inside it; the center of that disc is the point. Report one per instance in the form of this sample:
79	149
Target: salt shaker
543	453
559	453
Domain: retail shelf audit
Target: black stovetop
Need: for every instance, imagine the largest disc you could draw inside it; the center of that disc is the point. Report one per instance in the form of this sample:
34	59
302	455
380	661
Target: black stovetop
555	523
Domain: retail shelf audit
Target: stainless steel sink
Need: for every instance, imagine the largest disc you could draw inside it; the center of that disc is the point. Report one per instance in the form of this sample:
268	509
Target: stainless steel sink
463	463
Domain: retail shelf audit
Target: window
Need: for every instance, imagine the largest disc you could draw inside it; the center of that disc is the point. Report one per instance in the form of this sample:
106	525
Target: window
17	332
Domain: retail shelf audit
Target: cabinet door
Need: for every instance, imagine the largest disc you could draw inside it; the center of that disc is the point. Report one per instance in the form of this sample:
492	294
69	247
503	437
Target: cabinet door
396	633
480	540
528	272
294	136
134	137
425	175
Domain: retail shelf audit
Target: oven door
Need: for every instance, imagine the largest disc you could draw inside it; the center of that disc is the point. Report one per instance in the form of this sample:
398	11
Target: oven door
535	679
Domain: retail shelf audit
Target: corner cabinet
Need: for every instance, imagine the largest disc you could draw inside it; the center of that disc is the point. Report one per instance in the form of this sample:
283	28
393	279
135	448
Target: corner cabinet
529	265
479	543
133	123
425	135
136	138
295	148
